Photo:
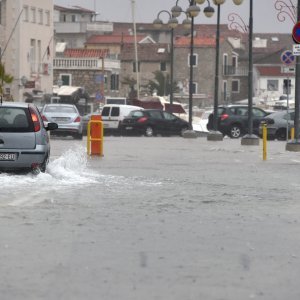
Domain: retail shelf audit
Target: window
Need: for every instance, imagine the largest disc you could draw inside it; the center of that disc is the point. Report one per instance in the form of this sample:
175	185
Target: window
66	79
39	55
155	114
25	14
257	112
287	85
235	86
169	116
0	12
40	16
115	111
194	88
163	66
73	18
63	18
33	15
114	82
33	55
272	85
47	13
193	61
234	61
134	67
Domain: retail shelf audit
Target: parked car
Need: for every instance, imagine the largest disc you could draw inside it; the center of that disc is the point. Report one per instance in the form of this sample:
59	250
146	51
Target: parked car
151	122
24	141
66	116
277	124
113	114
233	120
85	120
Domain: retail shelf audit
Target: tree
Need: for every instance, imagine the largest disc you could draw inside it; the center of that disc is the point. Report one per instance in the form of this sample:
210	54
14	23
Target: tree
131	82
4	78
161	84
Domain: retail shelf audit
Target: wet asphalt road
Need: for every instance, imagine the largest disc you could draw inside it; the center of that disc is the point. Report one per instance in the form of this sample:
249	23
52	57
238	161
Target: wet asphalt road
155	218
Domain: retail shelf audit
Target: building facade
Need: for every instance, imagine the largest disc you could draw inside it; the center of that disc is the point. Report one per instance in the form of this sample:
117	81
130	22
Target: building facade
26	45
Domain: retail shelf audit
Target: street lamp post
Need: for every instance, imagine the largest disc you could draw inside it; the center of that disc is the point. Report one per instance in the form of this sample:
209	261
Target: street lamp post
294	145
250	138
172	23
215	135
192	12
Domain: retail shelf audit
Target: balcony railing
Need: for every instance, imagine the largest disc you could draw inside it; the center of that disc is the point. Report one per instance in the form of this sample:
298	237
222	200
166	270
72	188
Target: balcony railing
235	71
85	64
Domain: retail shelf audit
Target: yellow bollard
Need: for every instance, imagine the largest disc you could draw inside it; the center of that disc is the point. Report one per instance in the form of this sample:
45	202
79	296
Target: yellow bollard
292	133
95	136
265	142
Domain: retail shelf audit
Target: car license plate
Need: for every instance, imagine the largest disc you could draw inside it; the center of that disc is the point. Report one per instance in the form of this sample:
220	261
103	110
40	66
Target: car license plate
128	127
7	156
105	125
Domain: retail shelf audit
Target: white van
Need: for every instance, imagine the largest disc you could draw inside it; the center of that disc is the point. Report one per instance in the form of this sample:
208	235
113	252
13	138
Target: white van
113	114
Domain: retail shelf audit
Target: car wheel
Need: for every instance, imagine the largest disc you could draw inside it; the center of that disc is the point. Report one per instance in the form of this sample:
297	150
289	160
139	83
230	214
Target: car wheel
78	136
44	164
235	131
183	130
149	131
281	134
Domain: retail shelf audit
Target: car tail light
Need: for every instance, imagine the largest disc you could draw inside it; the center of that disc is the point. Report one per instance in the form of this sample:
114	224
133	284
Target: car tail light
35	120
224	117
142	120
44	118
77	119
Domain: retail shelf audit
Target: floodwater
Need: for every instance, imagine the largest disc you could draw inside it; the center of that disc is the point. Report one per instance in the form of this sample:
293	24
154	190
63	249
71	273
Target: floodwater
158	218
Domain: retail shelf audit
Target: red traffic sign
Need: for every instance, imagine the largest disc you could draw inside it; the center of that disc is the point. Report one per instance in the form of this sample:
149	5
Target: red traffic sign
296	33
287	57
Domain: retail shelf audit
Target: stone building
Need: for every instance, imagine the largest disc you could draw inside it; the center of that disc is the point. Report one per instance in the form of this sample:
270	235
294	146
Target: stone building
26	41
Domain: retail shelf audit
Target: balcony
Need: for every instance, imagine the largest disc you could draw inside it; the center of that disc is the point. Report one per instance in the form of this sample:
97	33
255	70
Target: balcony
235	71
82	27
85	64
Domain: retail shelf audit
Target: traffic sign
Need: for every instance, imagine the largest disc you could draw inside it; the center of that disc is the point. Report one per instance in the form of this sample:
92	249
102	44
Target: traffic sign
296	33
296	49
287	57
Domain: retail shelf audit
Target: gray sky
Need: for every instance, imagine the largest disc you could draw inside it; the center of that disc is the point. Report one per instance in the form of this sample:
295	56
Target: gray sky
265	14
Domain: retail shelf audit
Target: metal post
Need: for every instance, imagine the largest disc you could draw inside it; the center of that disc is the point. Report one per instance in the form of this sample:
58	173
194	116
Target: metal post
215	135
294	145
250	138
172	67
297	93
191	73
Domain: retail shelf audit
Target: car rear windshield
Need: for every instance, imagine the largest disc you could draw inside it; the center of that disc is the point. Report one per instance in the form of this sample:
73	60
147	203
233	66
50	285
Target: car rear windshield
136	114
15	119
58	108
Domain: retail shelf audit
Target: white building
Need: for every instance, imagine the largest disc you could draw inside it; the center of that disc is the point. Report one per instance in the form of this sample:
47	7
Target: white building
26	41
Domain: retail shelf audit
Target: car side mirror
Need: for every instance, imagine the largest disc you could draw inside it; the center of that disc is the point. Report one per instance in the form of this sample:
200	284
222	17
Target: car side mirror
51	126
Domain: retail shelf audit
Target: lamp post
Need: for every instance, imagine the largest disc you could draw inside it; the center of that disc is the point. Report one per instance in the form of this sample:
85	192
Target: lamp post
192	12
289	10
172	23
250	138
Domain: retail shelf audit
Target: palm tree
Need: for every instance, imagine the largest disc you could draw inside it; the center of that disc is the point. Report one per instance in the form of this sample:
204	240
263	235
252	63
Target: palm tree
4	79
161	83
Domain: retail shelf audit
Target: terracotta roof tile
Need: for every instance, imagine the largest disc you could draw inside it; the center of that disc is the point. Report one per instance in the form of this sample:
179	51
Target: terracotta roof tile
271	71
113	39
86	53
146	52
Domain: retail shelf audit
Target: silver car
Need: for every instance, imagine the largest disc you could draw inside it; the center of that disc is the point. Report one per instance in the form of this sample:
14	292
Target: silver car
24	140
67	118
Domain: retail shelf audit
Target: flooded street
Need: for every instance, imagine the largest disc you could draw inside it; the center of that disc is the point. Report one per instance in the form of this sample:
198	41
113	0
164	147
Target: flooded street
155	218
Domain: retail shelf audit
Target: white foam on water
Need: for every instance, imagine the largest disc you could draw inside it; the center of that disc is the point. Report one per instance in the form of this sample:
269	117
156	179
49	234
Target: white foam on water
70	170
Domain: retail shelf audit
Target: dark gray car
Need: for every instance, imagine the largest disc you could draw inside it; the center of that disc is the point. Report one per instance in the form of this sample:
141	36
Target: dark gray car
24	141
277	124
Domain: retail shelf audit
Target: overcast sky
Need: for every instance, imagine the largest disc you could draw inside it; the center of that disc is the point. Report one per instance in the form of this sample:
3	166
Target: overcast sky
265	14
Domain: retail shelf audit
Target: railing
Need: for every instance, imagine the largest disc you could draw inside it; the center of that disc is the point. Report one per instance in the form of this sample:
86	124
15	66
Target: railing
235	71
85	63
